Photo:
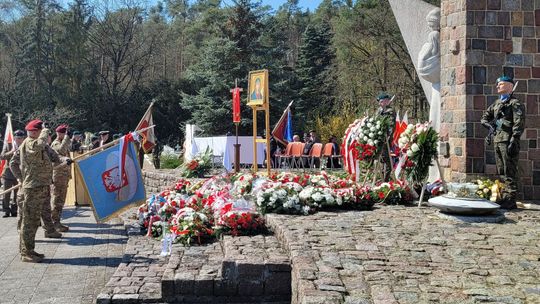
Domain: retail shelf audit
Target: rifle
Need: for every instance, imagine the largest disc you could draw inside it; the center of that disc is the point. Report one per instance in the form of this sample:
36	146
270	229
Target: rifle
493	125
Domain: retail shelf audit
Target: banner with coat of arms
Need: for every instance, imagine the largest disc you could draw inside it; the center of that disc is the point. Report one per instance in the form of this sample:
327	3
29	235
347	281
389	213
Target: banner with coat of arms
109	193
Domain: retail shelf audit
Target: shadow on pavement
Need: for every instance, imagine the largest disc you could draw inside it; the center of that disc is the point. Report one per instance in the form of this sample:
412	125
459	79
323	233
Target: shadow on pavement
85	261
84	241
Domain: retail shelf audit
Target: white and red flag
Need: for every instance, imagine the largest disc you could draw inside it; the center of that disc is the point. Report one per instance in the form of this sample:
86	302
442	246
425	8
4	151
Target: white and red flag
123	146
8	140
148	138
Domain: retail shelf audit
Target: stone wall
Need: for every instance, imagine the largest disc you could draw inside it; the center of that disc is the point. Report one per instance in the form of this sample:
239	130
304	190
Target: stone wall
159	180
481	40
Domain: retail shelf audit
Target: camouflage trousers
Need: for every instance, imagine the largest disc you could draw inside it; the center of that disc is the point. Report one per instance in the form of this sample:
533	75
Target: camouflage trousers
8	206
20	200
59	191
35	199
507	168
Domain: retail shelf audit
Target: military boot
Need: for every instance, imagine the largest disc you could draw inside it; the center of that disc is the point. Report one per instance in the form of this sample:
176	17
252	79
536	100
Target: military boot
53	234
39	255
31	258
61	228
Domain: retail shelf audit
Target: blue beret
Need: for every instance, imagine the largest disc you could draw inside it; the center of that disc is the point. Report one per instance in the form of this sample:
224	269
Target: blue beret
505	79
383	96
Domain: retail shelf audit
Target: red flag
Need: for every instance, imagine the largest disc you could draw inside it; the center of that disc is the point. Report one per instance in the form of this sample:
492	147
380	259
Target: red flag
282	131
8	140
148	140
236	104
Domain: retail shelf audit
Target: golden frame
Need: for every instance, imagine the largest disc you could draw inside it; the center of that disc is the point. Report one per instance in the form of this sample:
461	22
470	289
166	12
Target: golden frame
258	96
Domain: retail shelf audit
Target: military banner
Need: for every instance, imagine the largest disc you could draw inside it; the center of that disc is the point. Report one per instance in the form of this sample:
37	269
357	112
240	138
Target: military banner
110	194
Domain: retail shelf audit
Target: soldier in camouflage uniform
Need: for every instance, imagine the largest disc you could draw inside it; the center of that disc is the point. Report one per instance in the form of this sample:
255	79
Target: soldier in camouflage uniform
8	179
506	120
387	111
61	176
36	159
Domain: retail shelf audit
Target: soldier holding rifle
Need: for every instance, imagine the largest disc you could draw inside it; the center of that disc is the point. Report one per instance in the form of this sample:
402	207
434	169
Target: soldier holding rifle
505	120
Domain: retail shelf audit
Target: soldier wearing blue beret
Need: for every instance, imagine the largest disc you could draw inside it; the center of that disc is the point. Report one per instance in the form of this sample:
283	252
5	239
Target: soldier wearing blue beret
505	120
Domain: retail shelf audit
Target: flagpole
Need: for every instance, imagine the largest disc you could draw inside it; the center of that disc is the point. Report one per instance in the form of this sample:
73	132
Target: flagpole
147	110
112	143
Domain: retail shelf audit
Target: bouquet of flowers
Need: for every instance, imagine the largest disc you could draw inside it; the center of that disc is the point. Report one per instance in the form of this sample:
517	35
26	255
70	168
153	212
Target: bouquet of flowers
199	166
281	198
191	226
183	187
286	177
372	135
391	193
242	183
419	142
491	190
242	223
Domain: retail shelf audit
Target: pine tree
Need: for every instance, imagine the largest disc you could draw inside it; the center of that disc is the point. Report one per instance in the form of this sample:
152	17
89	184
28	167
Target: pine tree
315	72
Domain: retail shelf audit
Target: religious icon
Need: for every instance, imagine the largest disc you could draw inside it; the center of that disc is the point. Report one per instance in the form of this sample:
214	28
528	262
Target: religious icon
258	87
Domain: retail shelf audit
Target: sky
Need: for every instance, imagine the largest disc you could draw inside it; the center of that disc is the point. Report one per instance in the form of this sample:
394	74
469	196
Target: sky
303	4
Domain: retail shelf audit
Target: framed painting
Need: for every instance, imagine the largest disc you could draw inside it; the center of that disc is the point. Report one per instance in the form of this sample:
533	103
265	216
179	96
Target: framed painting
258	88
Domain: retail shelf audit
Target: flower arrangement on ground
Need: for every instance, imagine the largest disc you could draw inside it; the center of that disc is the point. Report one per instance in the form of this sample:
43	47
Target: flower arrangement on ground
317	197
490	189
198	166
419	142
390	193
242	223
275	197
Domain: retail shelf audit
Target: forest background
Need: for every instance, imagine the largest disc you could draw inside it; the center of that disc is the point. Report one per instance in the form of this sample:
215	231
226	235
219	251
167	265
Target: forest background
98	65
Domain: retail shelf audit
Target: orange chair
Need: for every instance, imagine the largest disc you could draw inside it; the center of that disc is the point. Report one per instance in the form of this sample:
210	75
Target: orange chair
328	154
296	153
287	156
314	153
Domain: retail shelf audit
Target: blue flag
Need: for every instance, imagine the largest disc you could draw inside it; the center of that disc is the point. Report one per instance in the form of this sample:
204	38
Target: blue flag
288	130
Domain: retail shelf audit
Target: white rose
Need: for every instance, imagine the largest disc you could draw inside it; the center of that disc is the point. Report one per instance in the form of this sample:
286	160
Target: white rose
415	147
372	129
365	138
371	135
370	142
409	153
376	141
369	125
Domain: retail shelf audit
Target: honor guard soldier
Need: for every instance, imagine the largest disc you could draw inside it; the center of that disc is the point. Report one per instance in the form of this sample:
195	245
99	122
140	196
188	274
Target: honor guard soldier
8	179
505	119
61	176
387	111
36	164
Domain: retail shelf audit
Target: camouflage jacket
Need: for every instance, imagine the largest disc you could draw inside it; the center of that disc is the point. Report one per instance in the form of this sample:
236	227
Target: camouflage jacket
508	119
391	114
6	155
62	148
36	161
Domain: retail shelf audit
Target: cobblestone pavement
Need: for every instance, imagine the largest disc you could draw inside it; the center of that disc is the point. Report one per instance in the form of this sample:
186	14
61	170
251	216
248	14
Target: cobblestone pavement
403	255
76	267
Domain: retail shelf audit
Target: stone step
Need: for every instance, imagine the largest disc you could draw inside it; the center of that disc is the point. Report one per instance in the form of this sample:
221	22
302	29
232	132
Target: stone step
234	270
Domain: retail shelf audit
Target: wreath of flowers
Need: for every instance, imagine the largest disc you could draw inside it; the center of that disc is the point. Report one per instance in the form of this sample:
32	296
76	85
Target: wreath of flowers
371	136
419	142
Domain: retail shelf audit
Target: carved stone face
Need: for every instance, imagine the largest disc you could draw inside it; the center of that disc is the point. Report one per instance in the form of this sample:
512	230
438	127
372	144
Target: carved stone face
434	19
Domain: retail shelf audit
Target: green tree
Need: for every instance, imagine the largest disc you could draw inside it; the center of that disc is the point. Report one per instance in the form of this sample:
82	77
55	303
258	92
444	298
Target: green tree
315	72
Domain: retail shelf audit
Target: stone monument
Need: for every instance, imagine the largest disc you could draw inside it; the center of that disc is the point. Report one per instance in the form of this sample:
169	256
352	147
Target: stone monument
422	40
480	41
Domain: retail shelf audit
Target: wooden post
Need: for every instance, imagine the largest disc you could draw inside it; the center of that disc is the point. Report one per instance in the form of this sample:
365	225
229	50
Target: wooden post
268	160
255	163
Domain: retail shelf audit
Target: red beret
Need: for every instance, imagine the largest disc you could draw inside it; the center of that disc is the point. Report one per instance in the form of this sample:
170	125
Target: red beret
61	128
34	125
